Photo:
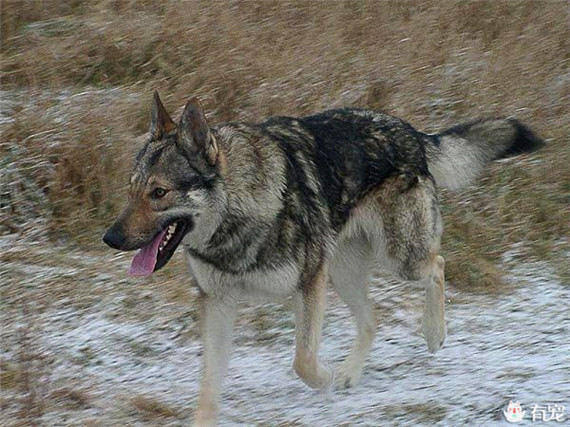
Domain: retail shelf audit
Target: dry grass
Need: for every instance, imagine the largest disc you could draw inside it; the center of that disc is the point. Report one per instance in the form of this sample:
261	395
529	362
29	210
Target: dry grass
77	77
150	408
28	373
70	398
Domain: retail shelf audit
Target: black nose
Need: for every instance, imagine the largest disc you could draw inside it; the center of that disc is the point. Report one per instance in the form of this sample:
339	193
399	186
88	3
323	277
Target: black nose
114	237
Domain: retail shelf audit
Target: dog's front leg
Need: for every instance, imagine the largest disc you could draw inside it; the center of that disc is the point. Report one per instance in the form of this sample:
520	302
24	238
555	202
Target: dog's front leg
217	319
309	311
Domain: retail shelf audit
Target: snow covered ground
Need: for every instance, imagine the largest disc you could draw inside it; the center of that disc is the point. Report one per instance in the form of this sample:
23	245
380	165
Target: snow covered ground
83	344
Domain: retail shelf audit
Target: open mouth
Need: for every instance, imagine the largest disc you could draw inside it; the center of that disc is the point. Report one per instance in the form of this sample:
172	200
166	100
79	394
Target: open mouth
158	252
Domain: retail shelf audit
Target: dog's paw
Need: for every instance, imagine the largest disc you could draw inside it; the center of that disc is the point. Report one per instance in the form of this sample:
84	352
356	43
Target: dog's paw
201	421
205	415
434	335
347	376
434	329
316	376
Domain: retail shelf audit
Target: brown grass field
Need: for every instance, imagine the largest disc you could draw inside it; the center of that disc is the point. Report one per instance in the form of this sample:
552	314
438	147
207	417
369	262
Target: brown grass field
77	79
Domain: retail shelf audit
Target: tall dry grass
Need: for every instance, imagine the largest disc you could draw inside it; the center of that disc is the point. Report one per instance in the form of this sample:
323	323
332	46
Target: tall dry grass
77	78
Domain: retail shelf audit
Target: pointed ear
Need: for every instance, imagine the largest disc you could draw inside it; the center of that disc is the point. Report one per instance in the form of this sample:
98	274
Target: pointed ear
194	135
160	121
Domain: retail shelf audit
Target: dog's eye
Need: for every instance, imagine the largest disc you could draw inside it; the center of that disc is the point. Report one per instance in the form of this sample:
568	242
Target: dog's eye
158	193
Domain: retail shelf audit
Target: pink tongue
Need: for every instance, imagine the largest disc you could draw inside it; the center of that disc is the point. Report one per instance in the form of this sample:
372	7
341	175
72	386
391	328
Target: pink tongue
145	259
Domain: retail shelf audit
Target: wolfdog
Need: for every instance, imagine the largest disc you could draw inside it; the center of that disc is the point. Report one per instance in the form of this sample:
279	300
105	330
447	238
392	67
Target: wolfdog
283	208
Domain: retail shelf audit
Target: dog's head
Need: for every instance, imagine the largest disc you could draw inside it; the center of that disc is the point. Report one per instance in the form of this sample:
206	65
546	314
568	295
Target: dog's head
174	188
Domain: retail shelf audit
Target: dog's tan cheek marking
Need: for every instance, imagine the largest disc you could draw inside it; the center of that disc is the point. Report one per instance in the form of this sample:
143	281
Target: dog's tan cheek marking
141	221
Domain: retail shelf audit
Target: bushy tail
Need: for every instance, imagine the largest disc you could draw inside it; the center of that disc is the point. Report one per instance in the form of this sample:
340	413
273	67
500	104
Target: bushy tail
458	155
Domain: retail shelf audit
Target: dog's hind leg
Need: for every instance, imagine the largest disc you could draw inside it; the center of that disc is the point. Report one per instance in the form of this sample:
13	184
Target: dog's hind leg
217	319
433	322
309	312
412	227
350	274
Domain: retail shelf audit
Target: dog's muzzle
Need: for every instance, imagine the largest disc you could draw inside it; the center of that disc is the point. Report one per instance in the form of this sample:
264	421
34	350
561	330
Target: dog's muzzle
114	237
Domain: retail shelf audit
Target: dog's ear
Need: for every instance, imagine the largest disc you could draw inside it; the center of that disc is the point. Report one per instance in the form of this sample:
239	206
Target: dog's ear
194	135
160	121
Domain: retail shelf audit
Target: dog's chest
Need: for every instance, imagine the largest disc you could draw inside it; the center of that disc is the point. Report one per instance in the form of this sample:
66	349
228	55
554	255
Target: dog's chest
264	285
